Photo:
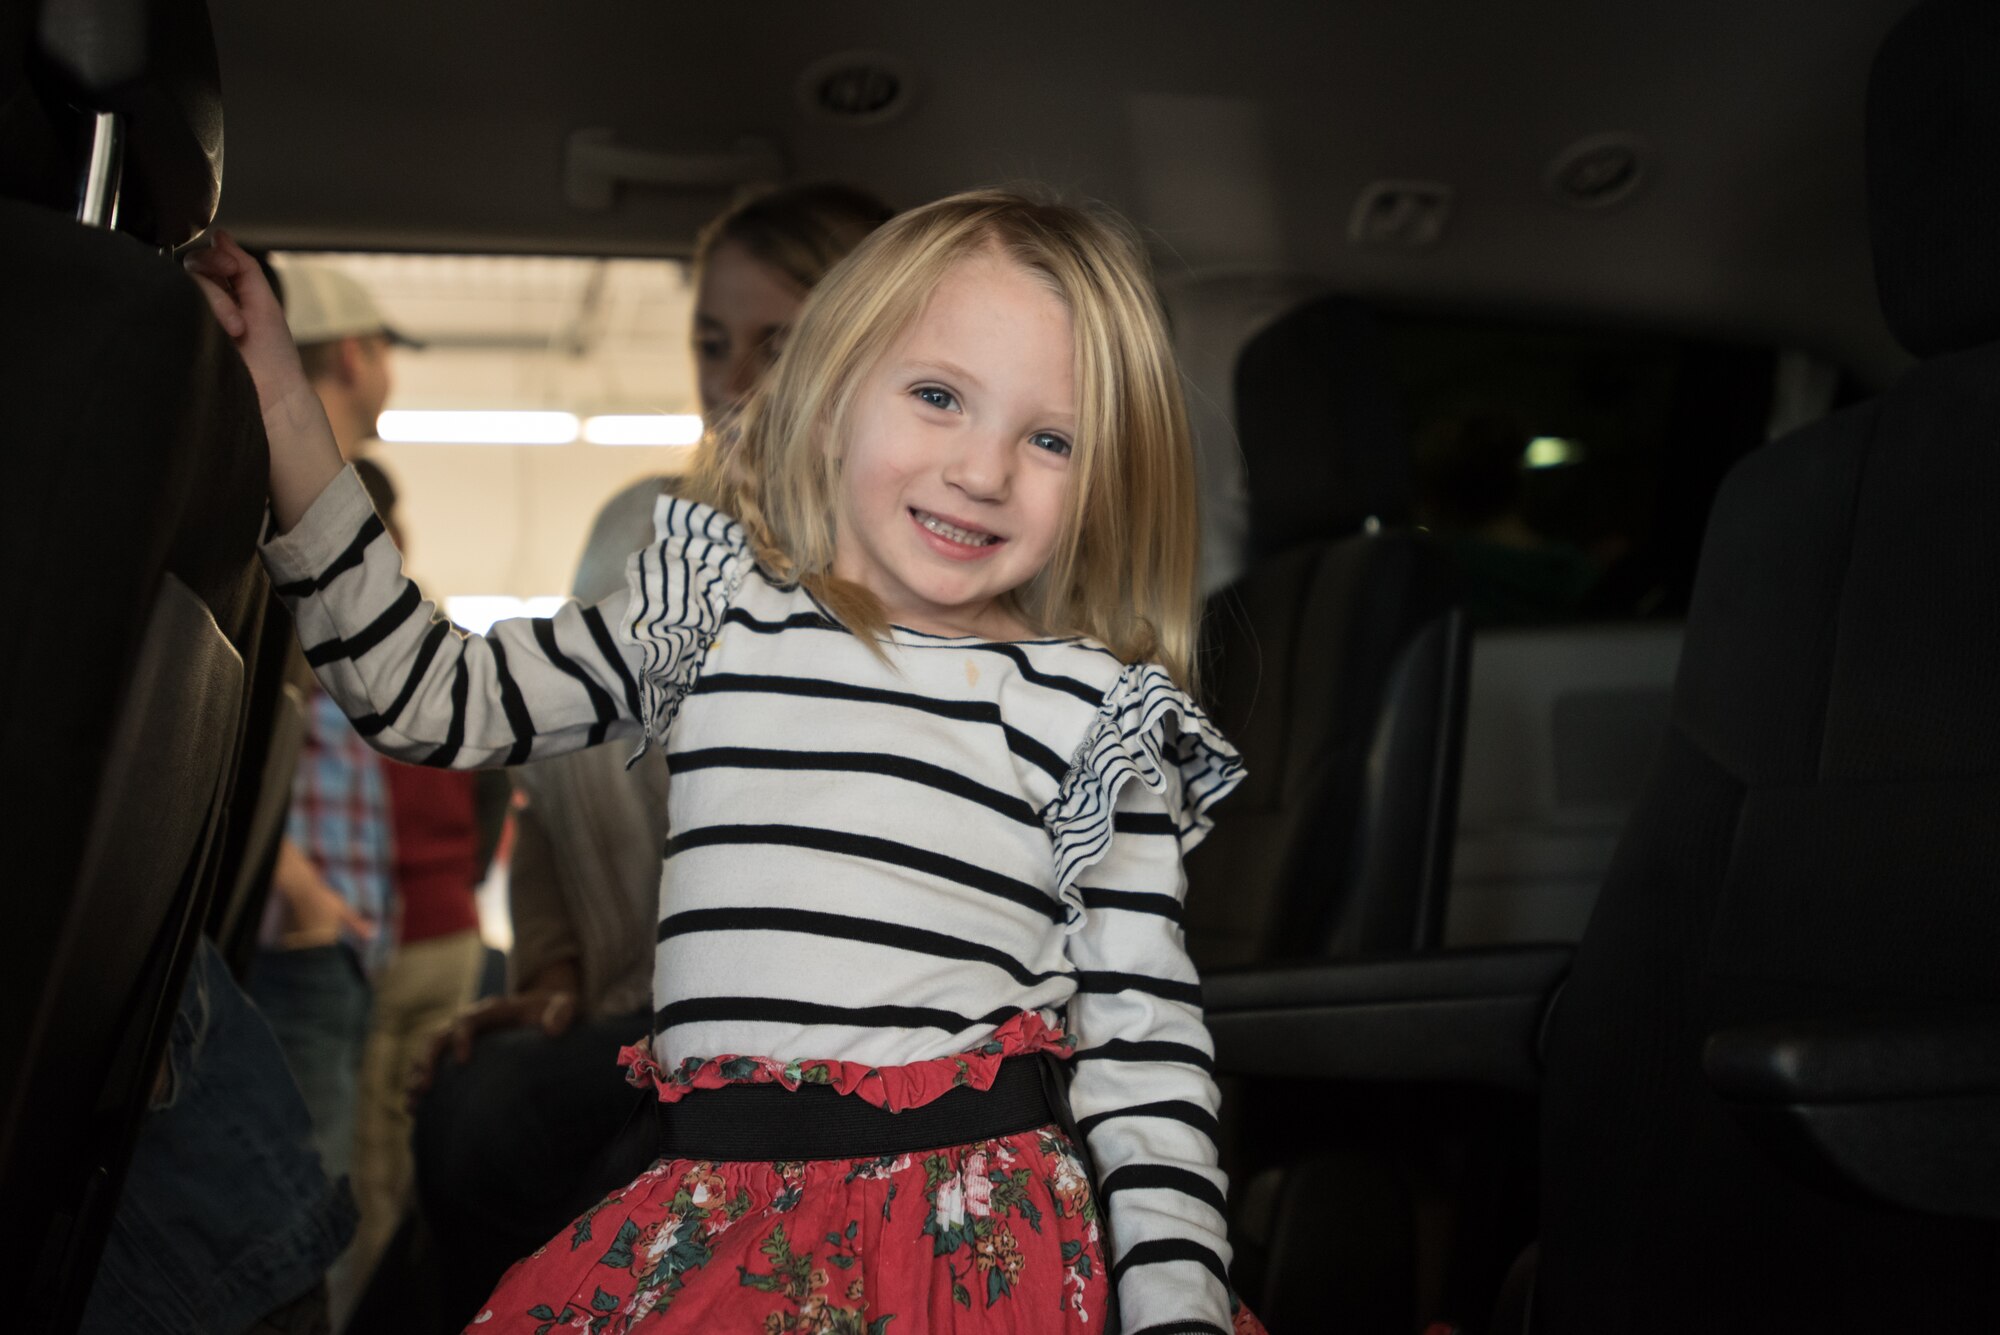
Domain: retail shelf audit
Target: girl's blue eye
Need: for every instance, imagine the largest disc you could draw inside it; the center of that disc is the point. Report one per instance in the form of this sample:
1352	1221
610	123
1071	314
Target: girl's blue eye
1050	441
937	398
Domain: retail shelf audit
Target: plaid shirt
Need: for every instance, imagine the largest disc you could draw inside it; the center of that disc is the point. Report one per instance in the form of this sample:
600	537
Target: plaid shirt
340	817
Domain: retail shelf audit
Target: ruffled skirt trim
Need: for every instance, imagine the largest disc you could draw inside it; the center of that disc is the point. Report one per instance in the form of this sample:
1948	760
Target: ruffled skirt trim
892	1087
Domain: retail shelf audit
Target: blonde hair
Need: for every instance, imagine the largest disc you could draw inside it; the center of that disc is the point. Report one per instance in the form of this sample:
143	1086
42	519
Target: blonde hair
1122	570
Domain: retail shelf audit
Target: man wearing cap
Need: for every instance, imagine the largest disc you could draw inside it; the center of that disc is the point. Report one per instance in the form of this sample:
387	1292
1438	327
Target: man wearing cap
325	928
345	344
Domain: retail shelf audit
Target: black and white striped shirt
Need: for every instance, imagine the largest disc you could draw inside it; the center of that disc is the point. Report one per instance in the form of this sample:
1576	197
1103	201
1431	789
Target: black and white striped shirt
873	858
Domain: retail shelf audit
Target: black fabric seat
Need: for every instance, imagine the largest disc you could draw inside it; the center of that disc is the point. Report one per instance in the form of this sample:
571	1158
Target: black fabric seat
1336	664
1821	839
135	492
1770	1086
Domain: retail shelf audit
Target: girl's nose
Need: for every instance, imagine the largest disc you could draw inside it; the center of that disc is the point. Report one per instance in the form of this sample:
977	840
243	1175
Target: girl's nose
982	467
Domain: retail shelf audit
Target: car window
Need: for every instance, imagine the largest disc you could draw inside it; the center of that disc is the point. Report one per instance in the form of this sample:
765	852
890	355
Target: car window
1570	469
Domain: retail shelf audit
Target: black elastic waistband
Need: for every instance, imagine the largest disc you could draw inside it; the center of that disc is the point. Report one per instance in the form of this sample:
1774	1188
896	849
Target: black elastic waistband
770	1122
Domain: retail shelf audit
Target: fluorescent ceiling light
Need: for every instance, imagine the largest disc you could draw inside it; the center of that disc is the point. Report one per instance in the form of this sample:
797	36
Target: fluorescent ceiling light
646	429
406	427
477	612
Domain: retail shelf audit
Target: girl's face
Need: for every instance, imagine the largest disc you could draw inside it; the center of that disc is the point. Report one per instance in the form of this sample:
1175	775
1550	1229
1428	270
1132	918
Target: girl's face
956	465
742	309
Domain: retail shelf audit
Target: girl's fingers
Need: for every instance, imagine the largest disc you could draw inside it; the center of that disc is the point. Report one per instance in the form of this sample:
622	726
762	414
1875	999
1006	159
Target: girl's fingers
225	250
231	268
205	264
216	262
253	290
227	313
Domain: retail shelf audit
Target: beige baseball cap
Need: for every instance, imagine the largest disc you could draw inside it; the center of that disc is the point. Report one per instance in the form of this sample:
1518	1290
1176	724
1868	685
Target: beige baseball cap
322	304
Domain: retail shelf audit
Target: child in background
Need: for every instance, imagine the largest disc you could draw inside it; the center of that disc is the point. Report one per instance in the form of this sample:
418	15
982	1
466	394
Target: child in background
917	644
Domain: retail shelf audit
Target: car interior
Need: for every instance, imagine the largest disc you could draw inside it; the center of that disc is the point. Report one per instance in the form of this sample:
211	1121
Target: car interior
1598	424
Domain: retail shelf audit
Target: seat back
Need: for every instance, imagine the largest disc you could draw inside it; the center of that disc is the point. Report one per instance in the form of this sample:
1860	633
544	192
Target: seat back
91	1042
1820	836
1336	665
263	799
1561	723
137	474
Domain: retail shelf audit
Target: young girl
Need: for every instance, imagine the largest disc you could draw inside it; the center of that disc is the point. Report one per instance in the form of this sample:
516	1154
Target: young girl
917	645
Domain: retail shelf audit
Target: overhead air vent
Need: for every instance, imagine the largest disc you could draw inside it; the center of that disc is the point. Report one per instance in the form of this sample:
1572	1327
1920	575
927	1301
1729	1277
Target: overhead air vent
1406	214
1599	171
857	88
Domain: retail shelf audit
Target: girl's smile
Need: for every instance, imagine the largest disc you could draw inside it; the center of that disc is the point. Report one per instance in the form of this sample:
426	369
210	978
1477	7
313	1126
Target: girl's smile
956	470
960	542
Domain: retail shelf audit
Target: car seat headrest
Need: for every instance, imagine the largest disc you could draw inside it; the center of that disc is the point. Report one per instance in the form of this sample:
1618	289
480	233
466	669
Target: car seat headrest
1322	431
1934	176
152	63
37	150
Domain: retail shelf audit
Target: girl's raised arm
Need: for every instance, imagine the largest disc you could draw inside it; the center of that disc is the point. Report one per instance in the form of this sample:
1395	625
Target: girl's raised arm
415	686
304	457
422	690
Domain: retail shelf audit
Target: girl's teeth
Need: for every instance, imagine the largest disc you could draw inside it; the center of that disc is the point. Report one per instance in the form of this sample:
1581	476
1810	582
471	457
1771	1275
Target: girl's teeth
965	537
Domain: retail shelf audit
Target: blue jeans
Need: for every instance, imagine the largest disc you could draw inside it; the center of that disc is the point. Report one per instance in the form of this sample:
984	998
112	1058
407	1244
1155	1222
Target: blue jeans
317	1001
226	1214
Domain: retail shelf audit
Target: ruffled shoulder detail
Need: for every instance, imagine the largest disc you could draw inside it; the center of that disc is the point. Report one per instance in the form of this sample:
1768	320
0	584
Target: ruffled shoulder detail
1146	729
681	587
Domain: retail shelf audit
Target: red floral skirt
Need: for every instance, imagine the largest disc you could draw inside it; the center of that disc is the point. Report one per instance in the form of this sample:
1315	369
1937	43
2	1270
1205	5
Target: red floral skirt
994	1236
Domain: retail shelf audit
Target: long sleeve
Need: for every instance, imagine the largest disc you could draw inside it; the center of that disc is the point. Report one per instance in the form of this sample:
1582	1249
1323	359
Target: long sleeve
422	691
1143	1092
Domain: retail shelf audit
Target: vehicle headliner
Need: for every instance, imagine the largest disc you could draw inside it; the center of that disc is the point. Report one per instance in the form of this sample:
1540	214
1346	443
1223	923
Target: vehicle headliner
1238	135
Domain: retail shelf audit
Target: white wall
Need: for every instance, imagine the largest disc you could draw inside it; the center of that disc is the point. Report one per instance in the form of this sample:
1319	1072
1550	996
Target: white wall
505	519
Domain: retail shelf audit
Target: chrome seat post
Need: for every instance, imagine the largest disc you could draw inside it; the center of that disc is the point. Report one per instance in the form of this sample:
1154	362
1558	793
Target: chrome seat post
99	207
